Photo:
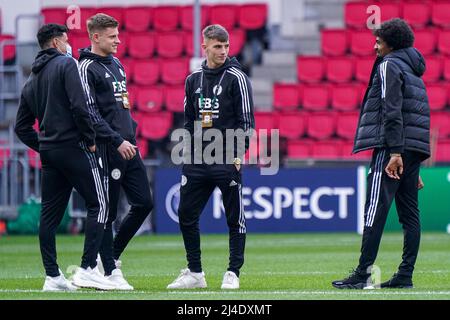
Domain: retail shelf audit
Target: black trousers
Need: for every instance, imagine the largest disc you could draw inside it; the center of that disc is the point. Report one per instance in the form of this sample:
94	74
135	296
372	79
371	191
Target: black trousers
381	192
62	170
132	177
197	184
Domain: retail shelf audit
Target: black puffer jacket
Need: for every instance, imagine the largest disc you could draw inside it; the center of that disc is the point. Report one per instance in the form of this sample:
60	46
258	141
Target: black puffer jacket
395	113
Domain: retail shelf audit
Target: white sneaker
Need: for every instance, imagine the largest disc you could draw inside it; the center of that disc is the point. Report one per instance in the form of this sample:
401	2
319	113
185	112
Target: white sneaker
230	281
91	278
117	278
59	283
117	263
188	280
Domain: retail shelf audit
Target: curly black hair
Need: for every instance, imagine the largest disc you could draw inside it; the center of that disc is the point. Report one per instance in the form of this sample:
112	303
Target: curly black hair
396	33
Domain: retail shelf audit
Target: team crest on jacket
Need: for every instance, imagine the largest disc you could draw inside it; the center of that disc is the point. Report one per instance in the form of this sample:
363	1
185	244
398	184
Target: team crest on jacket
217	91
115	174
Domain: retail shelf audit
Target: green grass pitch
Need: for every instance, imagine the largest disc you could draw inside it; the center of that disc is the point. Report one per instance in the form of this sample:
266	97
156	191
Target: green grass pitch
277	266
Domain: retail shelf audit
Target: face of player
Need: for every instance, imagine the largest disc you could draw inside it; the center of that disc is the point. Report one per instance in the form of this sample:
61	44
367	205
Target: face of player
61	43
216	52
107	40
381	47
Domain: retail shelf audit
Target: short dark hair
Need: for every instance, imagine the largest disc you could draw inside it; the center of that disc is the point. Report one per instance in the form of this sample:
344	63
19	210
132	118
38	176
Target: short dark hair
49	31
100	22
216	32
396	33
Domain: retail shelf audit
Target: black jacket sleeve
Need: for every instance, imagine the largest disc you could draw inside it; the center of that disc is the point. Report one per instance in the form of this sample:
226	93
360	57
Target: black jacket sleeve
243	106
392	101
189	109
24	125
102	128
73	87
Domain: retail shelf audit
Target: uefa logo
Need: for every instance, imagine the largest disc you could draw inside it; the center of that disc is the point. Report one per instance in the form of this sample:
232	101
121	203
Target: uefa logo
173	201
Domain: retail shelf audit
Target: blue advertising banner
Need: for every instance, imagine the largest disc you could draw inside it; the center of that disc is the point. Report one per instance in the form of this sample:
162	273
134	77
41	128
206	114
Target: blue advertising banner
293	200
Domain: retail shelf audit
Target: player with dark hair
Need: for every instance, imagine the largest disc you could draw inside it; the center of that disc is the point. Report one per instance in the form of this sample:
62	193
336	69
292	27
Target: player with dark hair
218	96
106	88
395	123
66	142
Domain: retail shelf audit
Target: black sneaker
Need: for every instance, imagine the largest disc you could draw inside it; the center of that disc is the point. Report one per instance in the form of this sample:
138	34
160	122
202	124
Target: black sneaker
355	280
398	281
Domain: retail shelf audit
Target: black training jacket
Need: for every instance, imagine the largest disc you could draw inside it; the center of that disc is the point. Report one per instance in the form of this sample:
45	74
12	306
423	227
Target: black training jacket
105	81
395	113
54	95
234	106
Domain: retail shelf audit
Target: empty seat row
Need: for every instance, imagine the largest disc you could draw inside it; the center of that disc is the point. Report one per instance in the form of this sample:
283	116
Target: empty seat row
153	98
417	13
170	44
168	18
342	96
339	42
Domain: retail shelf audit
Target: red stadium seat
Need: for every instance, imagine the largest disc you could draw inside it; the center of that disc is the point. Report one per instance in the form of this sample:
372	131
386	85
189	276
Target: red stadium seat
142	145
347	148
440	13
169	44
434	67
252	16
78	41
138	19
115	12
444	42
363	68
321	125
189	43
447	68
439	123
156	126
174	71
389	10
326	150
237	41
149	98
55	15
417	13
292	125
33	159
334	42
174	98
225	15
362	43
141	45
4	156
265	120
347	122
299	149
345	97
286	96
443	151
355	15
187	17
166	18
310	69
9	51
146	72
339	69
437	95
315	97
425	41
86	13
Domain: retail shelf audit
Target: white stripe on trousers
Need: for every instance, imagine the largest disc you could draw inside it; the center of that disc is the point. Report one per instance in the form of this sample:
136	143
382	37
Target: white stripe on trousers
102	215
242	228
375	189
